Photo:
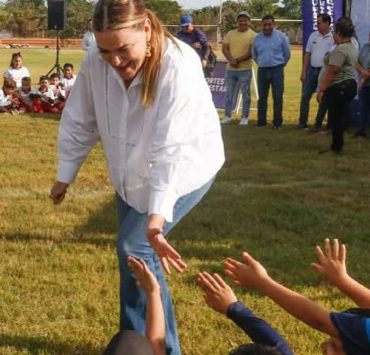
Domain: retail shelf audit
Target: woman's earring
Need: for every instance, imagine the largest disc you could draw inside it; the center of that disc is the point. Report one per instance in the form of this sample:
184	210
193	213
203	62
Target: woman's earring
148	50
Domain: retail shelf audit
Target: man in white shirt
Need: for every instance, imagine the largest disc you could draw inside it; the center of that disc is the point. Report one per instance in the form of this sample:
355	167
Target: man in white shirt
319	43
88	39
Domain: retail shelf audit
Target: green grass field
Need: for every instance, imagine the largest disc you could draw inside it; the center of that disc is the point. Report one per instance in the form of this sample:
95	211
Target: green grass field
275	197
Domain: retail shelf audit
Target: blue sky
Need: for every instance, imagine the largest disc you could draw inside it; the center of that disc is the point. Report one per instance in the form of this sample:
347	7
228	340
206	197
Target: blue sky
197	4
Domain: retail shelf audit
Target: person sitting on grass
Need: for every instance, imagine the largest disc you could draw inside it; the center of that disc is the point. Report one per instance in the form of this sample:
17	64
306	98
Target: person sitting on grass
349	331
44	98
58	91
9	102
131	342
68	79
24	93
220	297
16	70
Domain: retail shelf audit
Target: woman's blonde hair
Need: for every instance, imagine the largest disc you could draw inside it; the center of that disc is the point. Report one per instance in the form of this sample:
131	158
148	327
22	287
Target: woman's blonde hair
119	14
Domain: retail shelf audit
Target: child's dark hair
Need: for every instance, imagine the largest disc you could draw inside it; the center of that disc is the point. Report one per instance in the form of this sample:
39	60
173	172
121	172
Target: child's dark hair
344	27
43	77
26	79
54	75
9	84
68	65
255	349
15	55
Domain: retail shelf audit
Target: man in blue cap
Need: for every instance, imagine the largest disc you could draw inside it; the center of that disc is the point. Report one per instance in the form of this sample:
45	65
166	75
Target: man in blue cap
194	37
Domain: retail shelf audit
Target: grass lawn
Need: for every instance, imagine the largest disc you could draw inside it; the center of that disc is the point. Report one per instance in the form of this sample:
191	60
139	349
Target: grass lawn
275	197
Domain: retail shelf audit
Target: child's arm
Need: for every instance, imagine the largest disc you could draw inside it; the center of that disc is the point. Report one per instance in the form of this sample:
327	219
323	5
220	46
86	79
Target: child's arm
155	323
332	266
219	296
253	275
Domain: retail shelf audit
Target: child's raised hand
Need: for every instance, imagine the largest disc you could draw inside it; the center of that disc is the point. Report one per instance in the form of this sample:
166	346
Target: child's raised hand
332	261
251	274
217	294
145	278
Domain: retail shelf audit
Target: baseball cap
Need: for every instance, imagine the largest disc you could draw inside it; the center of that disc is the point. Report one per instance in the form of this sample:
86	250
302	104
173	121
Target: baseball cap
129	342
354	329
186	20
243	13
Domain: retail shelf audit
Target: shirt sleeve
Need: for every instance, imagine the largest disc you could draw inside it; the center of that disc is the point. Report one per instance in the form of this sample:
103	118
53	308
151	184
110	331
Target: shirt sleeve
337	57
309	43
176	132
254	49
256	328
202	37
78	129
227	38
286	48
84	44
7	74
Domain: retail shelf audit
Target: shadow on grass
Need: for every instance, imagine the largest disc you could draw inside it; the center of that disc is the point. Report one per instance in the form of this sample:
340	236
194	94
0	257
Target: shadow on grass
103	220
35	345
98	241
45	116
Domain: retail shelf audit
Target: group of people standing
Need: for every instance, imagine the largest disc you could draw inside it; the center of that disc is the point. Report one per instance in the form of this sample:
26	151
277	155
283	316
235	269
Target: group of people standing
334	69
270	50
329	69
18	96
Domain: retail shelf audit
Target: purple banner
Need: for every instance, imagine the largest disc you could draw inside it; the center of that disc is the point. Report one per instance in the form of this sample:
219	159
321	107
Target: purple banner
310	10
217	85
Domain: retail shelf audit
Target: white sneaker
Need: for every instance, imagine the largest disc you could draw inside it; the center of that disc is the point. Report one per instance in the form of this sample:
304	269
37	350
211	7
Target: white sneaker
226	119
243	121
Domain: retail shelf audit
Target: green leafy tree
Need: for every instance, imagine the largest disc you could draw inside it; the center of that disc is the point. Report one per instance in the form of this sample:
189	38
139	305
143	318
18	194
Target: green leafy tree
78	12
167	11
25	17
290	9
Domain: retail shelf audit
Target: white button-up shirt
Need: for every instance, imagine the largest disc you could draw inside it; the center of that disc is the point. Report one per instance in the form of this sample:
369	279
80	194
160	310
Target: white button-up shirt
155	155
318	45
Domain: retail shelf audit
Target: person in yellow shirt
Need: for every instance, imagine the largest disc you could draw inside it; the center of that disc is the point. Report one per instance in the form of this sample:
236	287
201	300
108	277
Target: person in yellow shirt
237	49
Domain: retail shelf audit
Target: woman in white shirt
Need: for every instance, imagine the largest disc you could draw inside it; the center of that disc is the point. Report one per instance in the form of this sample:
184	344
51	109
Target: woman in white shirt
143	94
16	71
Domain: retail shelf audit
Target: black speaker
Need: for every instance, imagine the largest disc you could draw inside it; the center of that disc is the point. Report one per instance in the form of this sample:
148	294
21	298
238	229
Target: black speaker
56	14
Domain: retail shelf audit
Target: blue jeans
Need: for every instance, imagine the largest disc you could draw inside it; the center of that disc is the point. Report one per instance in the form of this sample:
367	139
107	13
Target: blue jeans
274	77
308	89
233	77
364	96
133	241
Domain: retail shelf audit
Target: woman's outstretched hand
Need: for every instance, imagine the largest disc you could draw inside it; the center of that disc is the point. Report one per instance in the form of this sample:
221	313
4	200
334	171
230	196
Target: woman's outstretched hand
166	253
58	192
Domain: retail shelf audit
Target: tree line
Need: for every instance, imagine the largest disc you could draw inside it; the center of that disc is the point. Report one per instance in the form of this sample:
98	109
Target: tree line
28	18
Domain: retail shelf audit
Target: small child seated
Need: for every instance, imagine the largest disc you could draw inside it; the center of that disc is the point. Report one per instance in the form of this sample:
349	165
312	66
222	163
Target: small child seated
68	79
9	102
58	91
24	94
349	330
43	98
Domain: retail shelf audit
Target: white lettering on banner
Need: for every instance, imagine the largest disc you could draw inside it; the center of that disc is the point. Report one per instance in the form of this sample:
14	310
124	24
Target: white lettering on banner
218	81
217	88
318	6
216	84
314	12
